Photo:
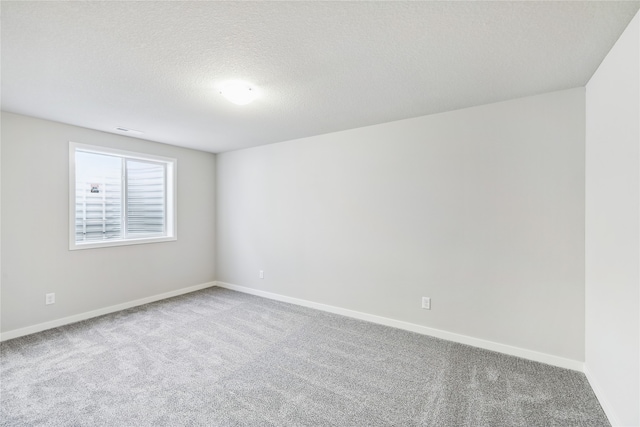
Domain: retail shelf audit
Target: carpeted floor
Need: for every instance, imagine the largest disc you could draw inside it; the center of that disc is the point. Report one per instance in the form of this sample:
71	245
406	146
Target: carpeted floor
223	358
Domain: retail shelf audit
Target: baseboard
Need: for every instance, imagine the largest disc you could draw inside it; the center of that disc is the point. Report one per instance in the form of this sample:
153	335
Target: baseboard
99	312
604	402
437	333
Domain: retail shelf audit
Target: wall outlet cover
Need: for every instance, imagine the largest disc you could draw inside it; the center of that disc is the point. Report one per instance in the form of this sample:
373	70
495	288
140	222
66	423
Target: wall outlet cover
49	298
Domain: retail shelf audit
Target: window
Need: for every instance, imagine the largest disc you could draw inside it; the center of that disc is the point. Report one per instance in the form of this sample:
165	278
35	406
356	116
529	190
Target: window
119	197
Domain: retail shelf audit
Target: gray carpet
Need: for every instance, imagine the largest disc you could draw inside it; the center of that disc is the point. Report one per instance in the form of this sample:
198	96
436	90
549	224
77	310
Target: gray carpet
223	358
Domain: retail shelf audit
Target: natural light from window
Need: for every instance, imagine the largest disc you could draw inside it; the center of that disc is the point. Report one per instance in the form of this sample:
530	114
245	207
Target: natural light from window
119	197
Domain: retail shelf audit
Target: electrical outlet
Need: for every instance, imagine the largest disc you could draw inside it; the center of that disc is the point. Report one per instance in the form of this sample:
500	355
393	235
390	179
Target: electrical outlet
426	303
261	274
49	298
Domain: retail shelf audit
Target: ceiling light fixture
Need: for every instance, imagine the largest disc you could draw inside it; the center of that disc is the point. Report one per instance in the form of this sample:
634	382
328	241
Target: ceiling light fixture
238	92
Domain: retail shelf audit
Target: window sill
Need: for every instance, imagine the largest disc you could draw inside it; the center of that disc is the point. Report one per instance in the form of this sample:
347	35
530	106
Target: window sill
73	246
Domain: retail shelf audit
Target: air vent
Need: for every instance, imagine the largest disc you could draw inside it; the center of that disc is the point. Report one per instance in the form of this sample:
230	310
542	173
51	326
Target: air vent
129	130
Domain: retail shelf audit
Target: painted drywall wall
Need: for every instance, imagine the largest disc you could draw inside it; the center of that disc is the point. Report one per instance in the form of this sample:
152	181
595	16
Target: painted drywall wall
35	248
481	209
613	229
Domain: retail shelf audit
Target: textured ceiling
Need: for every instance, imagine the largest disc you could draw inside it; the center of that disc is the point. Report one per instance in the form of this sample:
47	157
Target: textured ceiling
319	66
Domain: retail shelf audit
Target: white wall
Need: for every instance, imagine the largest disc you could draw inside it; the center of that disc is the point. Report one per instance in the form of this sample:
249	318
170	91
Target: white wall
613	229
35	248
481	209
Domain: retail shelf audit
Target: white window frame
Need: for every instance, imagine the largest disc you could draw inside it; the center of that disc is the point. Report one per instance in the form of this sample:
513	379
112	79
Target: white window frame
171	232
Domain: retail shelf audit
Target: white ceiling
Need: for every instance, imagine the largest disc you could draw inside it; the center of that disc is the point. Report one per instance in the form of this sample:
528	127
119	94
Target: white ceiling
319	66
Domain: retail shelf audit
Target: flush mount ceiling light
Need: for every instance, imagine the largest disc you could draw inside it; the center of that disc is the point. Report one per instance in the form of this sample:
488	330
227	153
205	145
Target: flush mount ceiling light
238	92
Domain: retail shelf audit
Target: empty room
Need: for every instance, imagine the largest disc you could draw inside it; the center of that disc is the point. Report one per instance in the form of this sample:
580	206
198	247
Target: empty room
389	213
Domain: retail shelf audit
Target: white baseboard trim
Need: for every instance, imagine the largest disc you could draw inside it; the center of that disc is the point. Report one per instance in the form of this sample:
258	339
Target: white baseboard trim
604	402
99	312
437	333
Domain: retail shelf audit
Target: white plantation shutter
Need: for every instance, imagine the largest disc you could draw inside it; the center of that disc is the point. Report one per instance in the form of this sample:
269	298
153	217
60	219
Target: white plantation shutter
120	198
